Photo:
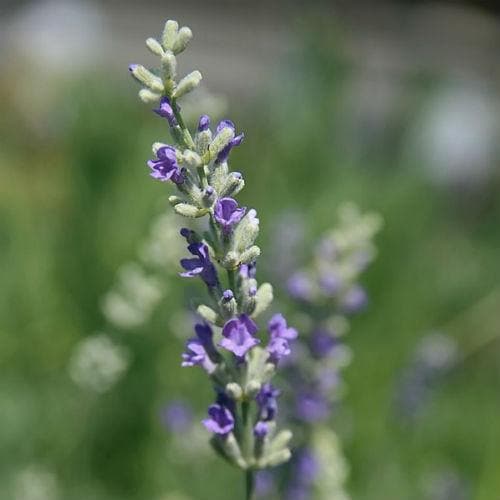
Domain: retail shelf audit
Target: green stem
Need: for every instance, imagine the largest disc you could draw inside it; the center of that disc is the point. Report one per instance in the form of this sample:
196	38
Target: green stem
186	134
231	280
249	483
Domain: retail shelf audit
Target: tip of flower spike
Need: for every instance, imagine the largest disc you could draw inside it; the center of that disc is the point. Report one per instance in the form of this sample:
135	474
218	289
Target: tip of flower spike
132	67
228	295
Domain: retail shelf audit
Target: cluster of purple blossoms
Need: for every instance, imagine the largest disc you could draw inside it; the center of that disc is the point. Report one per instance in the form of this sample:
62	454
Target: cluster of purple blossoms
227	346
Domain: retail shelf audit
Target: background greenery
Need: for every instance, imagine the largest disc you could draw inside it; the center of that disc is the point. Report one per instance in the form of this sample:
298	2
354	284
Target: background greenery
76	200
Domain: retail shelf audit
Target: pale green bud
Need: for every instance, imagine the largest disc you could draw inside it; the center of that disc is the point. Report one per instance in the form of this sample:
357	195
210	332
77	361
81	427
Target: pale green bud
208	314
221	140
246	233
232	185
183	38
280	441
232	450
169	65
202	141
257	370
187	84
175	200
250	255
148	96
191	158
154	46
144	76
277	458
263	298
230	260
234	391
228	308
169	34
252	388
188	210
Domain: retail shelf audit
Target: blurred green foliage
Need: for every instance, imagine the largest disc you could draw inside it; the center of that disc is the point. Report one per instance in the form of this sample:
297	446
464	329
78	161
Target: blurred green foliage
76	200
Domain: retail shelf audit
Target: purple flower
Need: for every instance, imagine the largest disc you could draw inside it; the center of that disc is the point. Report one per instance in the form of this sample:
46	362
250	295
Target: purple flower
177	416
165	111
236	141
201	265
221	420
238	335
277	327
248	271
197	355
322	343
354	300
227	213
260	430
300	286
165	167
311	406
203	123
330	283
205	336
278	348
307	466
268	405
280	333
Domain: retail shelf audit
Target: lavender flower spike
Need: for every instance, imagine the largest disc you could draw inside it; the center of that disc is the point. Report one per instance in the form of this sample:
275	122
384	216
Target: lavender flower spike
223	255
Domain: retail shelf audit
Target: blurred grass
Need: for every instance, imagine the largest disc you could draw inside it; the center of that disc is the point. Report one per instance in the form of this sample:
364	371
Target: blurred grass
75	202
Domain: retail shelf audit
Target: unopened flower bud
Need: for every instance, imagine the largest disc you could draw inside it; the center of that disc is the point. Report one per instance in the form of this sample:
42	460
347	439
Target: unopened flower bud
144	76
169	34
154	46
183	38
234	391
148	96
169	65
208	197
187	84
221	140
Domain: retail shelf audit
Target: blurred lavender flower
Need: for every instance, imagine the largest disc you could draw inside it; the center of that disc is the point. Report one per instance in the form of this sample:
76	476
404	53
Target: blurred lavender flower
98	363
177	416
435	355
326	293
